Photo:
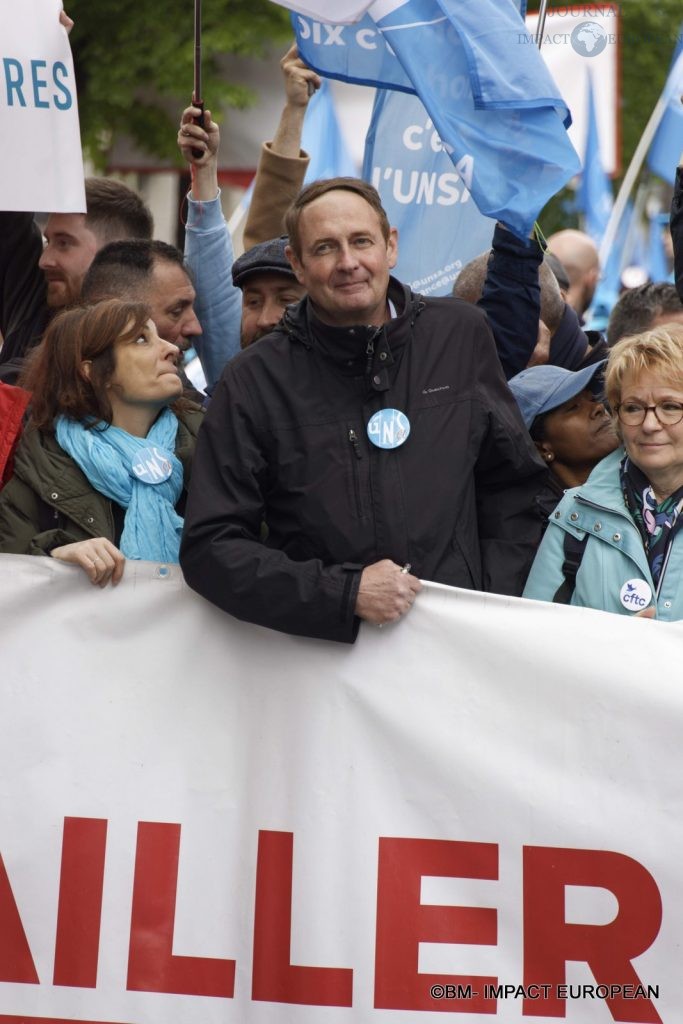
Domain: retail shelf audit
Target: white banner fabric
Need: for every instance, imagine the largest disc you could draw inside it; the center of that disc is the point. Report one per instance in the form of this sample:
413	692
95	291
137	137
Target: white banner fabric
476	811
42	165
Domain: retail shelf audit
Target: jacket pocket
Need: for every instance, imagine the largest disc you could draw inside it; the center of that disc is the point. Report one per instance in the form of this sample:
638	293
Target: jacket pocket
358	463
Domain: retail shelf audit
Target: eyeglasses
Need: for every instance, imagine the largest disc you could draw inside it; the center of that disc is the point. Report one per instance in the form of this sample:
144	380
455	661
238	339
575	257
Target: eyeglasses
632	414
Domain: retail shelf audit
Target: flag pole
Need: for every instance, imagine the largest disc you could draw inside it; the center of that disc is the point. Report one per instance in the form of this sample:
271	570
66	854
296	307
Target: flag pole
635	166
540	24
197	100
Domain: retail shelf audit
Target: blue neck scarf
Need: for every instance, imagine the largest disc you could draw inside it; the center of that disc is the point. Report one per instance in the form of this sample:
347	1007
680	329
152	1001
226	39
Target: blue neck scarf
107	455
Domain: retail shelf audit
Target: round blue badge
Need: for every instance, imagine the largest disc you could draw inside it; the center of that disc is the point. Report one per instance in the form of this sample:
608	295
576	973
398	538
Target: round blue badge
389	428
151	466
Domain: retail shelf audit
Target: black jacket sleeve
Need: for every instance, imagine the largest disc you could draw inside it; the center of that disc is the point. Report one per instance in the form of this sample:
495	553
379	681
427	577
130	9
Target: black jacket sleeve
23	307
224	555
676	224
512	298
509	476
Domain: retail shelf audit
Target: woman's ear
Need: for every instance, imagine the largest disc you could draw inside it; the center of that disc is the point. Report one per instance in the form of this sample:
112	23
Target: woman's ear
86	368
546	452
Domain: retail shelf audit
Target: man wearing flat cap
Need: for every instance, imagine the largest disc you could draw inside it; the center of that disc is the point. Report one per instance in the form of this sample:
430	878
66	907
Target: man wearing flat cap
371	431
268	285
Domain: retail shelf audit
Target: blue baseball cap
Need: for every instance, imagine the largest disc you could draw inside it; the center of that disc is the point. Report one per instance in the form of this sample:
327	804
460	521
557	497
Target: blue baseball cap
539	389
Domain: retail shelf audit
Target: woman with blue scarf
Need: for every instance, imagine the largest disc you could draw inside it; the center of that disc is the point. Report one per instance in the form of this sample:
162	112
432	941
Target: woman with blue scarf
613	542
101	472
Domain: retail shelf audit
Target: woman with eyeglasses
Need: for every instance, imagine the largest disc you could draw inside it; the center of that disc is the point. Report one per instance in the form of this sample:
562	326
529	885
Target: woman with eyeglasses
614	543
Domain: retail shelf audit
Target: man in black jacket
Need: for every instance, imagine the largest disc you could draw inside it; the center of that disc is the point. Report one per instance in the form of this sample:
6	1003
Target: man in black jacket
370	434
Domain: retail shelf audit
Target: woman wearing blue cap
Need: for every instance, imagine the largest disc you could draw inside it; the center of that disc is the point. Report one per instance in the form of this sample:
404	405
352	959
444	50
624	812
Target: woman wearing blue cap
566	417
613	542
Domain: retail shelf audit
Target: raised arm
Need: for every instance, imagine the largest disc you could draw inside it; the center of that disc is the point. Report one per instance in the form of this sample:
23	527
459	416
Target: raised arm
283	164
512	298
208	248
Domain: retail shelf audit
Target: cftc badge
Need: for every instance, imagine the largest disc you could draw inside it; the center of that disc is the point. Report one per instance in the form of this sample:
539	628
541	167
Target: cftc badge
151	466
636	595
388	428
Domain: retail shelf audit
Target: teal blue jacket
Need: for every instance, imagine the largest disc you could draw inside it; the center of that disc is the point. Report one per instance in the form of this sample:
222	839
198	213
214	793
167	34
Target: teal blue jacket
614	552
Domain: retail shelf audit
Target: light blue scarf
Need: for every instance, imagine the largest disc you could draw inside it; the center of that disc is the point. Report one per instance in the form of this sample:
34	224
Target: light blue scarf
107	455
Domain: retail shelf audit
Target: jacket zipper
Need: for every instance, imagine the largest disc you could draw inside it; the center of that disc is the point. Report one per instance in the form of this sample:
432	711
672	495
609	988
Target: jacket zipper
357	451
602	508
370	350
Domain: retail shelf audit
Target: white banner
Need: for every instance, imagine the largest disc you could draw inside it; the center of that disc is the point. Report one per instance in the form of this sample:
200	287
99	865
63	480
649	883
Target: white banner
476	811
42	165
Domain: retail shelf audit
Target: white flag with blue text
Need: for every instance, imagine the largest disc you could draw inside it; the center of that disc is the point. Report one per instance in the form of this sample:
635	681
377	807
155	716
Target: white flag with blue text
42	165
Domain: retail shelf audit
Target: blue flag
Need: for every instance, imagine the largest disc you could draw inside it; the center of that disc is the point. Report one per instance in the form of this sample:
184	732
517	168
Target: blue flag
358	52
484	86
322	138
351	53
594	197
426	198
623	253
667	145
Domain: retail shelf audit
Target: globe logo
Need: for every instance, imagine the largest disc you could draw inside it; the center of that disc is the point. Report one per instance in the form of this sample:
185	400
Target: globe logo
589	39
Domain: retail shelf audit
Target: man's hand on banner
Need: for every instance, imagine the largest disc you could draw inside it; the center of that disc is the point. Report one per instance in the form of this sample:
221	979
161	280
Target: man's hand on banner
386	592
66	21
100	559
300	81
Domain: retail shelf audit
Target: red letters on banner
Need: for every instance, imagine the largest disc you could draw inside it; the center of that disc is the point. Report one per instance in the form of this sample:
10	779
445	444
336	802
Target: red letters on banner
77	945
607	949
274	978
16	962
152	967
403	922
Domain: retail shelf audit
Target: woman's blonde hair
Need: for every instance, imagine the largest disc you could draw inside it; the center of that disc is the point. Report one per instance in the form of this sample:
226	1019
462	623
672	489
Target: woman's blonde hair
657	351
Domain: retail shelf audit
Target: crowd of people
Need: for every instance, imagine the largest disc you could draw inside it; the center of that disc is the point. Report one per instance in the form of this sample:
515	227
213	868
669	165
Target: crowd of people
354	438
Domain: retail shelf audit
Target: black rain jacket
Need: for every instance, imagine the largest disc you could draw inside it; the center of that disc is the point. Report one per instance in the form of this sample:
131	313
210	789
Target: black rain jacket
24	313
284	443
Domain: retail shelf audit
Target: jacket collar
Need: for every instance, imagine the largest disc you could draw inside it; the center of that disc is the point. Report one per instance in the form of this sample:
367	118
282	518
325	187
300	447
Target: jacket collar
600	485
362	349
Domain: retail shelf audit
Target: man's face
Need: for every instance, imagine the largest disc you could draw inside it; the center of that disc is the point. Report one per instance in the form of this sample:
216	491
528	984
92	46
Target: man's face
170	298
345	260
70	249
264	297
